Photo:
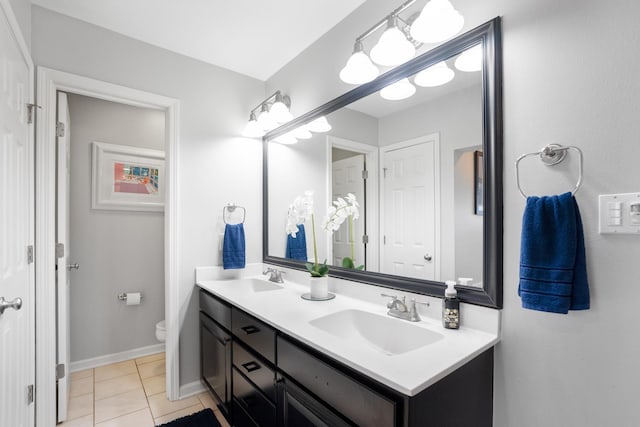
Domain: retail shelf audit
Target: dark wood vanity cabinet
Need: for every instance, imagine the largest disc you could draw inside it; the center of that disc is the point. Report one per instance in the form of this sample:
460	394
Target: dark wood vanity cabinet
276	381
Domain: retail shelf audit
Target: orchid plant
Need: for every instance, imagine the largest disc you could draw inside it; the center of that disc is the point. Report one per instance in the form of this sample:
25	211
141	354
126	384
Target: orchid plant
300	211
344	209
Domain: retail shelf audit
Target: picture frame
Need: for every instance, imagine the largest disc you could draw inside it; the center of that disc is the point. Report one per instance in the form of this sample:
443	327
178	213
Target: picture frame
478	184
127	178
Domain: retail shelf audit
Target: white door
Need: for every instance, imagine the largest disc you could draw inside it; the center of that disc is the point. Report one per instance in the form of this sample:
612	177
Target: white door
408	210
17	324
347	178
63	277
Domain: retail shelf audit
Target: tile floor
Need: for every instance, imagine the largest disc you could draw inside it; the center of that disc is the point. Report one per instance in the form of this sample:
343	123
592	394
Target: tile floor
129	394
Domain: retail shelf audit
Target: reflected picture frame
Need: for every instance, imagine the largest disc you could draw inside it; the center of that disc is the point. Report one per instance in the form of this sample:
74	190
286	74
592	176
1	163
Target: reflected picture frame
127	178
478	185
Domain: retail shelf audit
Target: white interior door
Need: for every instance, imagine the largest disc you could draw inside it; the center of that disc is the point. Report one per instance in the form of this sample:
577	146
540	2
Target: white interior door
63	276
17	325
347	178
408	210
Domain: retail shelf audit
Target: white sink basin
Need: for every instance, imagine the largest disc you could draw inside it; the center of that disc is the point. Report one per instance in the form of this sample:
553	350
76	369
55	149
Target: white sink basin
387	335
255	285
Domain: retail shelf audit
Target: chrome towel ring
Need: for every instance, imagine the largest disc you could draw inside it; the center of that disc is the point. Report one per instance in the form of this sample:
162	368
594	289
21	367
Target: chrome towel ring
229	209
550	155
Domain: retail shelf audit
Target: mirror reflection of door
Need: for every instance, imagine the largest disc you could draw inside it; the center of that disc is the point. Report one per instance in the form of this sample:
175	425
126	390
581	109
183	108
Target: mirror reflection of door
409	205
348	177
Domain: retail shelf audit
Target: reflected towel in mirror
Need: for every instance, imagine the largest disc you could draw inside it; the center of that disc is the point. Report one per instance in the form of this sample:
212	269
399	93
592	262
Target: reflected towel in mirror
297	246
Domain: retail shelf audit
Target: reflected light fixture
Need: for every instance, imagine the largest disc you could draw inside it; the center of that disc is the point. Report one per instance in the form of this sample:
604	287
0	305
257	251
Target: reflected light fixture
302	132
438	21
470	60
273	111
319	125
286	139
436	75
401	89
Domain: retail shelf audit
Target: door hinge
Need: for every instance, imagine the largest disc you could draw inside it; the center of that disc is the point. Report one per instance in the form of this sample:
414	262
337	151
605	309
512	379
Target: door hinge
59	129
384	172
30	390
365	239
30	254
59	250
60	371
384	240
365	174
31	112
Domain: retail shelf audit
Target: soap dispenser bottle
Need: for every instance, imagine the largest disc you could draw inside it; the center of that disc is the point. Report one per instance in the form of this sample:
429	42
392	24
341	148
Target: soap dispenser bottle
450	307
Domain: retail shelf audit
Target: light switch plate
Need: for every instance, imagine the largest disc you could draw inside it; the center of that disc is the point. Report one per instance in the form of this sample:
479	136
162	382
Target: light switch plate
619	213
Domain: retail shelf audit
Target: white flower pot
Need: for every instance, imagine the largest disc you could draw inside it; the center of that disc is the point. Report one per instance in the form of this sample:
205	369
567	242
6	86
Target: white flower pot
319	287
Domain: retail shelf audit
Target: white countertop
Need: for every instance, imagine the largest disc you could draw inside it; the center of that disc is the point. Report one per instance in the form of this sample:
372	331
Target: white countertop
408	373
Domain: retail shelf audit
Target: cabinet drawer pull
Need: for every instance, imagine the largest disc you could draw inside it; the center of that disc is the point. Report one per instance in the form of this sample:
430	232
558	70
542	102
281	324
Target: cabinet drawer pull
250	329
251	366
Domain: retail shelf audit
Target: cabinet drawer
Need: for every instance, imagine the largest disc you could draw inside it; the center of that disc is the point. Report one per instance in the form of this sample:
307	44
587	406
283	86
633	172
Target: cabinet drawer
215	308
240	416
255	369
253	402
254	333
349	397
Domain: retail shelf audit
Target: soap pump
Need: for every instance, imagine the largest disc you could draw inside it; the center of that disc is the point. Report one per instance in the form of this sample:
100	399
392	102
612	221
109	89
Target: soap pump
450	307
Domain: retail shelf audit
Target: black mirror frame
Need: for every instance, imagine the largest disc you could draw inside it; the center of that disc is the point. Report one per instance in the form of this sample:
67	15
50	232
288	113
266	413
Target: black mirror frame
489	34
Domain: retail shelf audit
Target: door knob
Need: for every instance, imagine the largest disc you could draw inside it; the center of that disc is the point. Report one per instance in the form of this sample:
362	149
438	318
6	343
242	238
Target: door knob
427	257
73	266
16	304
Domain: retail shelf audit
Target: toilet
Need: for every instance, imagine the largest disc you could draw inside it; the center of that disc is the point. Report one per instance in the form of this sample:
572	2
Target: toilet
161	331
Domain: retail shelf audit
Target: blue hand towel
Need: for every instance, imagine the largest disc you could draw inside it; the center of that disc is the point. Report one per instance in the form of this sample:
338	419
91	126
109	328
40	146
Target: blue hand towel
553	271
297	246
233	247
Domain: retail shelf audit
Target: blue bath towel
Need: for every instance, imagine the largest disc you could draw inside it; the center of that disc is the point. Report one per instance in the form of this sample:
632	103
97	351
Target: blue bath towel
297	246
233	247
553	271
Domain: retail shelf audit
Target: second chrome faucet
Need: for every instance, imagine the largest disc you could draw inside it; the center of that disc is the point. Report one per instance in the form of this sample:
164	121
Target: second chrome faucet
398	308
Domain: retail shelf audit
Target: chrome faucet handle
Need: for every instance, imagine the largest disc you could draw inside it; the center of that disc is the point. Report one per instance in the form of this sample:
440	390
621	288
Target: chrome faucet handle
395	302
413	311
275	275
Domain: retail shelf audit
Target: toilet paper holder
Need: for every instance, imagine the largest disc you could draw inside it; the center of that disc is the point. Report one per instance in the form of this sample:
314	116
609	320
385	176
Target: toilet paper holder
122	296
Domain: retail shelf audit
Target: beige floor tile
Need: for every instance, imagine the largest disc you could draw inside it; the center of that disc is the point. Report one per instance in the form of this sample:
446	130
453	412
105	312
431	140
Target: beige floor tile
117	385
86	421
161	406
81	374
152	369
115	370
154	385
141	418
178	414
221	419
79	406
80	386
208	401
150	358
120	404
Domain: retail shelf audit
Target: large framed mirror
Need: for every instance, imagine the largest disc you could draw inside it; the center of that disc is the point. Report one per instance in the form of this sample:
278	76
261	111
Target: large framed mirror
430	201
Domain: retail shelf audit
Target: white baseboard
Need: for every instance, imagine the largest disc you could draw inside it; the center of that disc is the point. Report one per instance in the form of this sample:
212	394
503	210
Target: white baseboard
107	359
190	389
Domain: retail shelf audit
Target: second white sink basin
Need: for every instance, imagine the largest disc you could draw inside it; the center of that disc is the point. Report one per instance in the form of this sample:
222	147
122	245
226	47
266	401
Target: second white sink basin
387	335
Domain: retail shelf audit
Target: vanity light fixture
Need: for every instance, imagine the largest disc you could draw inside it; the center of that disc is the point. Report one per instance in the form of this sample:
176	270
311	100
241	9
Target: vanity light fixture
268	115
401	89
436	75
438	21
470	60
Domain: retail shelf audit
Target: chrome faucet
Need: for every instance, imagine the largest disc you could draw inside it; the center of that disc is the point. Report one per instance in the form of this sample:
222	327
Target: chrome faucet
275	275
398	308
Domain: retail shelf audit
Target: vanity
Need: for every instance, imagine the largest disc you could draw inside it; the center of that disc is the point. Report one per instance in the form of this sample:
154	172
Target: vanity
286	361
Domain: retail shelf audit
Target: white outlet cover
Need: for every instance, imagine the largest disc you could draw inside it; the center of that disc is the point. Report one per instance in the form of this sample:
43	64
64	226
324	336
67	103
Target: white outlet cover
615	216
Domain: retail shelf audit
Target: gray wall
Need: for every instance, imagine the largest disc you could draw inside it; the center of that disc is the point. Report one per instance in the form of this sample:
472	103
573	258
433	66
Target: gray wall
571	77
22	11
216	166
117	251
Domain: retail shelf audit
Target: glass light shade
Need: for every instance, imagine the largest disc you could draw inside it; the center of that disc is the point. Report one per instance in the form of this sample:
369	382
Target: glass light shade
280	113
266	121
319	125
286	139
301	133
393	48
359	69
401	89
470	60
438	21
436	75
253	128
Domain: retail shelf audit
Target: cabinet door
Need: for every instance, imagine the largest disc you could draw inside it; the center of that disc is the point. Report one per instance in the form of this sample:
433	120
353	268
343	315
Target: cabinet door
215	359
299	409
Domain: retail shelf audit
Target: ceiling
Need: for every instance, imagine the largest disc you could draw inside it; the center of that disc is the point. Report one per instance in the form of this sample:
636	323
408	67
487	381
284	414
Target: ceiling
252	37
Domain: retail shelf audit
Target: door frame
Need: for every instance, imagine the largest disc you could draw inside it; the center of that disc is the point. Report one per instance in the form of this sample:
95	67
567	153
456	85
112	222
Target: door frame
435	138
50	81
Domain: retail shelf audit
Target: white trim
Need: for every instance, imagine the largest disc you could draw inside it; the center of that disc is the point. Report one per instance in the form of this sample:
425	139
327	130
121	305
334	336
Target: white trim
191	389
107	359
435	137
49	82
